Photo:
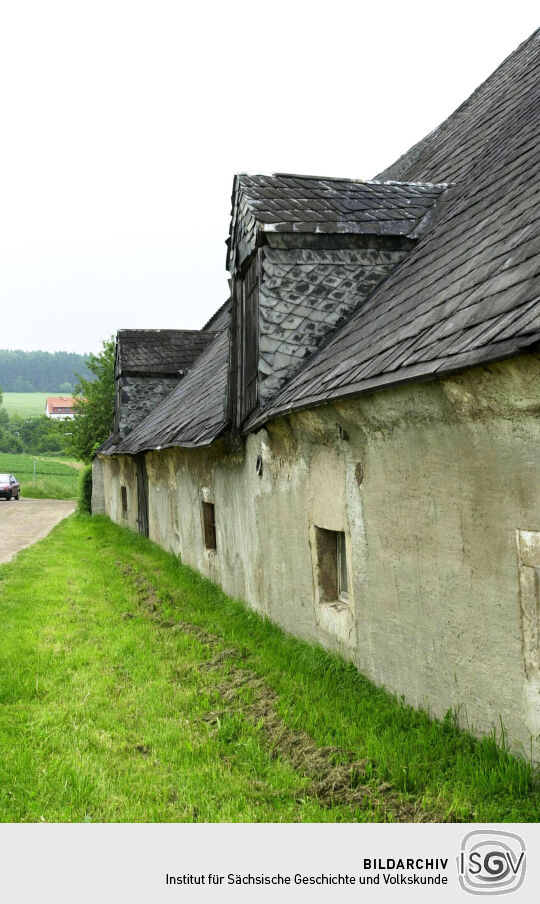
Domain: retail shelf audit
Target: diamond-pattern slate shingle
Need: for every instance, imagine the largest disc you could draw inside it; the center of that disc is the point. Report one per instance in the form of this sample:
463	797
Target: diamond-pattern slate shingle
304	295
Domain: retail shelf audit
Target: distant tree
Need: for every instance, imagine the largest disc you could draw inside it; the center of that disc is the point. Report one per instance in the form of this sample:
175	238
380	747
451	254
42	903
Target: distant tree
94	404
66	387
9	442
32	435
40	371
4	416
21	385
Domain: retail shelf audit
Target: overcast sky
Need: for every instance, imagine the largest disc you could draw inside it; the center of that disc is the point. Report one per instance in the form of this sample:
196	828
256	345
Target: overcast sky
123	123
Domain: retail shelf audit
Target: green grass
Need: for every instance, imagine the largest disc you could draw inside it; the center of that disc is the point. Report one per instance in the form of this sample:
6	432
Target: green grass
54	479
28	404
120	702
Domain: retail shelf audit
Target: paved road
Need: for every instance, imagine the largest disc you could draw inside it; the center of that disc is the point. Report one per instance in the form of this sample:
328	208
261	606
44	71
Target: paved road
25	522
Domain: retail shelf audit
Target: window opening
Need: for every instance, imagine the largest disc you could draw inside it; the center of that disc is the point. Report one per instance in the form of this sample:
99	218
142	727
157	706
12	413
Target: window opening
333	576
209	525
124	500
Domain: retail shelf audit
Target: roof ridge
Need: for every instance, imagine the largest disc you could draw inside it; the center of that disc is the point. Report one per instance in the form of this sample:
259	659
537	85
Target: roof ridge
352	179
411	156
154	330
470	311
215	315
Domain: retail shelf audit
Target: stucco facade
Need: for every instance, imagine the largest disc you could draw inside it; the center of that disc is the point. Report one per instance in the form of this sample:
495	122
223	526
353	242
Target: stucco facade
435	486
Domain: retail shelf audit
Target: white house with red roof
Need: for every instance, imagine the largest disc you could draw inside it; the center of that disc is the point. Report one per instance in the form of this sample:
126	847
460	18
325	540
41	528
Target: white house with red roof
60	408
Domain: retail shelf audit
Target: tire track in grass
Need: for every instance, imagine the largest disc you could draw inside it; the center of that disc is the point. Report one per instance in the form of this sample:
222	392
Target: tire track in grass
331	783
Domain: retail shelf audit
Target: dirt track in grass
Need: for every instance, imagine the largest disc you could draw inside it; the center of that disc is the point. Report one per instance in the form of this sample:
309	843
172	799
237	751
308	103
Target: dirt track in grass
337	778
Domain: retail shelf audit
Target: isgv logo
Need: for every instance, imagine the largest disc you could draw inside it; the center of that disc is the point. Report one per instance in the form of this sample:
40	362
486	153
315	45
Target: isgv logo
491	862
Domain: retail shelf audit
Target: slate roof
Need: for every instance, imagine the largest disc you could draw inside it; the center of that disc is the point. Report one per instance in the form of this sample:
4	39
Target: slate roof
160	351
469	292
282	202
220	319
193	414
107	447
449	152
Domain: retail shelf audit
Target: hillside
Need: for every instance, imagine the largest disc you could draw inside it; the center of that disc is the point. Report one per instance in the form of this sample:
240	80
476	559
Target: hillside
40	371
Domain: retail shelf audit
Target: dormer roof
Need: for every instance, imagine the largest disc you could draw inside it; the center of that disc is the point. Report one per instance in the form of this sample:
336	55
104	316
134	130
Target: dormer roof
159	352
193	414
283	202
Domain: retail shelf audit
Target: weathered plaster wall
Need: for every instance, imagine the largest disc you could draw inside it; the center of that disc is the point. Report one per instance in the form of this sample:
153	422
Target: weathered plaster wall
118	472
98	489
436	488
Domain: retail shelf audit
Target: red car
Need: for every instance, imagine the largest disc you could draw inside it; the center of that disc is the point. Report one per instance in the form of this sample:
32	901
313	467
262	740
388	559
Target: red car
9	487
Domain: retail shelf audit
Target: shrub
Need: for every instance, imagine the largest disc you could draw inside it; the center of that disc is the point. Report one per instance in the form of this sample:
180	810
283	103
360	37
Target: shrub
85	490
9	442
94	404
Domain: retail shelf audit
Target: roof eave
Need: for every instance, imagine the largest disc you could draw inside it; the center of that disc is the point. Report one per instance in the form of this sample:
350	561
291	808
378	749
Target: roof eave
428	370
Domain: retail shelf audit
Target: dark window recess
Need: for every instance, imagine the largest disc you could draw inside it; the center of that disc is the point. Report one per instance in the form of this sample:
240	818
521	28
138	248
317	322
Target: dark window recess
123	491
142	495
332	565
209	525
250	351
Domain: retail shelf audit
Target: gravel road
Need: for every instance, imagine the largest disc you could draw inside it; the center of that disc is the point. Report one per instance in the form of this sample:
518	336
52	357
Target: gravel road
25	522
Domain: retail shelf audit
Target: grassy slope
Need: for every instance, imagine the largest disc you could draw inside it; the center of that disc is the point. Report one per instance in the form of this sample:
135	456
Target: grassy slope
54	479
29	404
117	705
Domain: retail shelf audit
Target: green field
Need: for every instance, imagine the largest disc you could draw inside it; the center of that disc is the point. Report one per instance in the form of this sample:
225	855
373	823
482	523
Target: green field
54	479
134	690
28	404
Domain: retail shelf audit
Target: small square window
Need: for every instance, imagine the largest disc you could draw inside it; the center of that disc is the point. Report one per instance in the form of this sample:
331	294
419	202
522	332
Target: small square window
333	576
123	492
209	525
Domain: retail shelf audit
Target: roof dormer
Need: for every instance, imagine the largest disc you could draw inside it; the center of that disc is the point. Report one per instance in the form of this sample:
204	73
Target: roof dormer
303	253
